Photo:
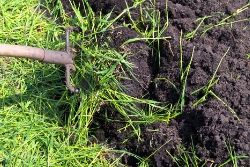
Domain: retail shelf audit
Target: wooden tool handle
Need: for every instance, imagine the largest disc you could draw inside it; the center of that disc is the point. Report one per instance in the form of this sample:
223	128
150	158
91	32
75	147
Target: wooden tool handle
47	56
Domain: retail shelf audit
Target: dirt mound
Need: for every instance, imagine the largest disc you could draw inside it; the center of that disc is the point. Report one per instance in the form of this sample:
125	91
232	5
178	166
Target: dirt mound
139	55
211	126
110	5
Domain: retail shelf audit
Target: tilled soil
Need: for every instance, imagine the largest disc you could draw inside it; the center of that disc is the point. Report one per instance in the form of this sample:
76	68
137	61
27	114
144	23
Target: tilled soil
211	126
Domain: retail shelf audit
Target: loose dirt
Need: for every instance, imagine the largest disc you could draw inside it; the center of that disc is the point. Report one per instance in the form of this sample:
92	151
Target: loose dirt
210	127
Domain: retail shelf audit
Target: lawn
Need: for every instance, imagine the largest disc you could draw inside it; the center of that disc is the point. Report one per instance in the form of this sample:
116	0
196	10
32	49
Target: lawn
154	90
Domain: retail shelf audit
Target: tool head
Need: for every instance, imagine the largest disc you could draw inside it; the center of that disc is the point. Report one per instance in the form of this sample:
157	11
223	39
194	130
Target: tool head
69	68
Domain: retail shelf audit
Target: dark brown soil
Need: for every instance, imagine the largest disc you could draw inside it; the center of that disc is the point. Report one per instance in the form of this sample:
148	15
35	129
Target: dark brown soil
138	55
210	126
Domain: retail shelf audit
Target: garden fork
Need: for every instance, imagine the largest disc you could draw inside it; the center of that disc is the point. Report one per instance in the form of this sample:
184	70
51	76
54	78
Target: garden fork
65	58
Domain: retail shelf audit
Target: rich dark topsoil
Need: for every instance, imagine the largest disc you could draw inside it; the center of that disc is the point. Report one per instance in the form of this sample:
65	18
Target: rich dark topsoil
210	127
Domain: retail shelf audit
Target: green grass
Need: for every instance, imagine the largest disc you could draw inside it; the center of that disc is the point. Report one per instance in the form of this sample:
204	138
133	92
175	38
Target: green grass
149	26
188	157
227	20
34	130
207	91
233	157
248	55
184	73
34	99
103	67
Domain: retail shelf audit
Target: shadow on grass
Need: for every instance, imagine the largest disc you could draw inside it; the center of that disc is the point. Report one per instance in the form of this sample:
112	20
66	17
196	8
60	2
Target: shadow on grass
45	95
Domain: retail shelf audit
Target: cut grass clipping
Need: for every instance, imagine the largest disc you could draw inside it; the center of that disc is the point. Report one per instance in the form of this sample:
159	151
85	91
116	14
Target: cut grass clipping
230	20
189	158
207	89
